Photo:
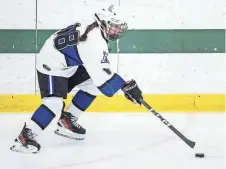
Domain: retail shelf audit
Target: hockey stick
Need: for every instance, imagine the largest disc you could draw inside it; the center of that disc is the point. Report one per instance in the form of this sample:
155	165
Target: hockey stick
185	139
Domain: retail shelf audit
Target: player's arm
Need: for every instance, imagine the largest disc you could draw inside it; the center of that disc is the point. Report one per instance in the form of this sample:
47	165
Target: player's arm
130	88
98	66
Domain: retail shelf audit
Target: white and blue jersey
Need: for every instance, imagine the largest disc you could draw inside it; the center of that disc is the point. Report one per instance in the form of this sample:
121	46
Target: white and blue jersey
62	54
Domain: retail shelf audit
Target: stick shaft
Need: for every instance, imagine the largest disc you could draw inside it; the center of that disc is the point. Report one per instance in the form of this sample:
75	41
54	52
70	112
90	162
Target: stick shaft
179	134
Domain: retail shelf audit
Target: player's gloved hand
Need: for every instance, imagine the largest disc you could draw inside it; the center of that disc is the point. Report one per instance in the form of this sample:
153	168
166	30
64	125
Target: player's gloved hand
132	92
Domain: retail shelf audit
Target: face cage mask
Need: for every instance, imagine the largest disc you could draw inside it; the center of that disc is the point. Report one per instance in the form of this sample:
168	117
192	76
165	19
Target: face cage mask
114	31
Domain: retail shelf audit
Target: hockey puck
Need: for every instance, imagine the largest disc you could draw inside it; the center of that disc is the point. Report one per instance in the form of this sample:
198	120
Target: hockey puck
200	155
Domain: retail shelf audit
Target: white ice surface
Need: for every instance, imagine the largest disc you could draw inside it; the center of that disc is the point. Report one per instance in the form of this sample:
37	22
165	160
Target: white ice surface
121	141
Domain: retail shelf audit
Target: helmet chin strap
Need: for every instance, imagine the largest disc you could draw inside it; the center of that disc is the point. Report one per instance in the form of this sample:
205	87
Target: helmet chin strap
103	33
104	36
102	27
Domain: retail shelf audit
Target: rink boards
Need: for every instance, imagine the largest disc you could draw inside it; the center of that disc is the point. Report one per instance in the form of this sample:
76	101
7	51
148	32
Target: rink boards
118	103
176	56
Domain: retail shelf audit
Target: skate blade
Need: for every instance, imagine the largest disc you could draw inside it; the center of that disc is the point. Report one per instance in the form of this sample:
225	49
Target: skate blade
70	135
18	147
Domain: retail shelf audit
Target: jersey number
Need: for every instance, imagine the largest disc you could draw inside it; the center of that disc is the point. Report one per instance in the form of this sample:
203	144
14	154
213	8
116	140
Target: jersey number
63	39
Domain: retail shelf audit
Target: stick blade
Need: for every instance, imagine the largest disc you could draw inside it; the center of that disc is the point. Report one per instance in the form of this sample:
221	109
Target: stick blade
191	143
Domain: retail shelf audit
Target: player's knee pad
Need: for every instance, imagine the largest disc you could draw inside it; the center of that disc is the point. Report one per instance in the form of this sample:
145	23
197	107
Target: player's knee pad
82	100
51	107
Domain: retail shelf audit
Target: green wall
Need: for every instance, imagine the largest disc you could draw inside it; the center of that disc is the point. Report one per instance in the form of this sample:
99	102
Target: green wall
135	41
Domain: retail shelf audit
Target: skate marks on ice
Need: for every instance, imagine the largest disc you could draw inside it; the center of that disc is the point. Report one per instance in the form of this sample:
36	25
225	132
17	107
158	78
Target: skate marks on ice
164	150
133	150
120	141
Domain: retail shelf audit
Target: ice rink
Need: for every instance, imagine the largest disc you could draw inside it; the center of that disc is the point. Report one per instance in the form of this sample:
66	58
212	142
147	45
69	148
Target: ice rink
121	141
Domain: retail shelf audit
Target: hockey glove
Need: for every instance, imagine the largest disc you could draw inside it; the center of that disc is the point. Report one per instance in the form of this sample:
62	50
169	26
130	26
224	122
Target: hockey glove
132	92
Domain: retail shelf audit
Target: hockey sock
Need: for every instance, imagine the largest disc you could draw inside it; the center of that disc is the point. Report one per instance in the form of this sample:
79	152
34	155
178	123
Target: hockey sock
43	116
80	102
48	112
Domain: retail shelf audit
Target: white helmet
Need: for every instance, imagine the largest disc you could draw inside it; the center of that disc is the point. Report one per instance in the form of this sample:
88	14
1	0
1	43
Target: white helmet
110	23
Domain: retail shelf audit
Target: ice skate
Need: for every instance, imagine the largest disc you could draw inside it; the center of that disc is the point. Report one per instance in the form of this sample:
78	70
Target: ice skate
26	142
69	128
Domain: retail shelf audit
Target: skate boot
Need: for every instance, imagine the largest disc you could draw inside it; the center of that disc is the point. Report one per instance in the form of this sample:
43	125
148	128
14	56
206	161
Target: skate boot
26	142
69	128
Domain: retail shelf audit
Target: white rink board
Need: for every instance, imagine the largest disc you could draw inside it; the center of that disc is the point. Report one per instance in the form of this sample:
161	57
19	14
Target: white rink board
17	14
159	73
17	72
175	14
142	14
176	73
159	14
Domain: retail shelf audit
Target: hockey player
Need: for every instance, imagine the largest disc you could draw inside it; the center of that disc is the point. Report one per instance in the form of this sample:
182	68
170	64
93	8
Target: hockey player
70	59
